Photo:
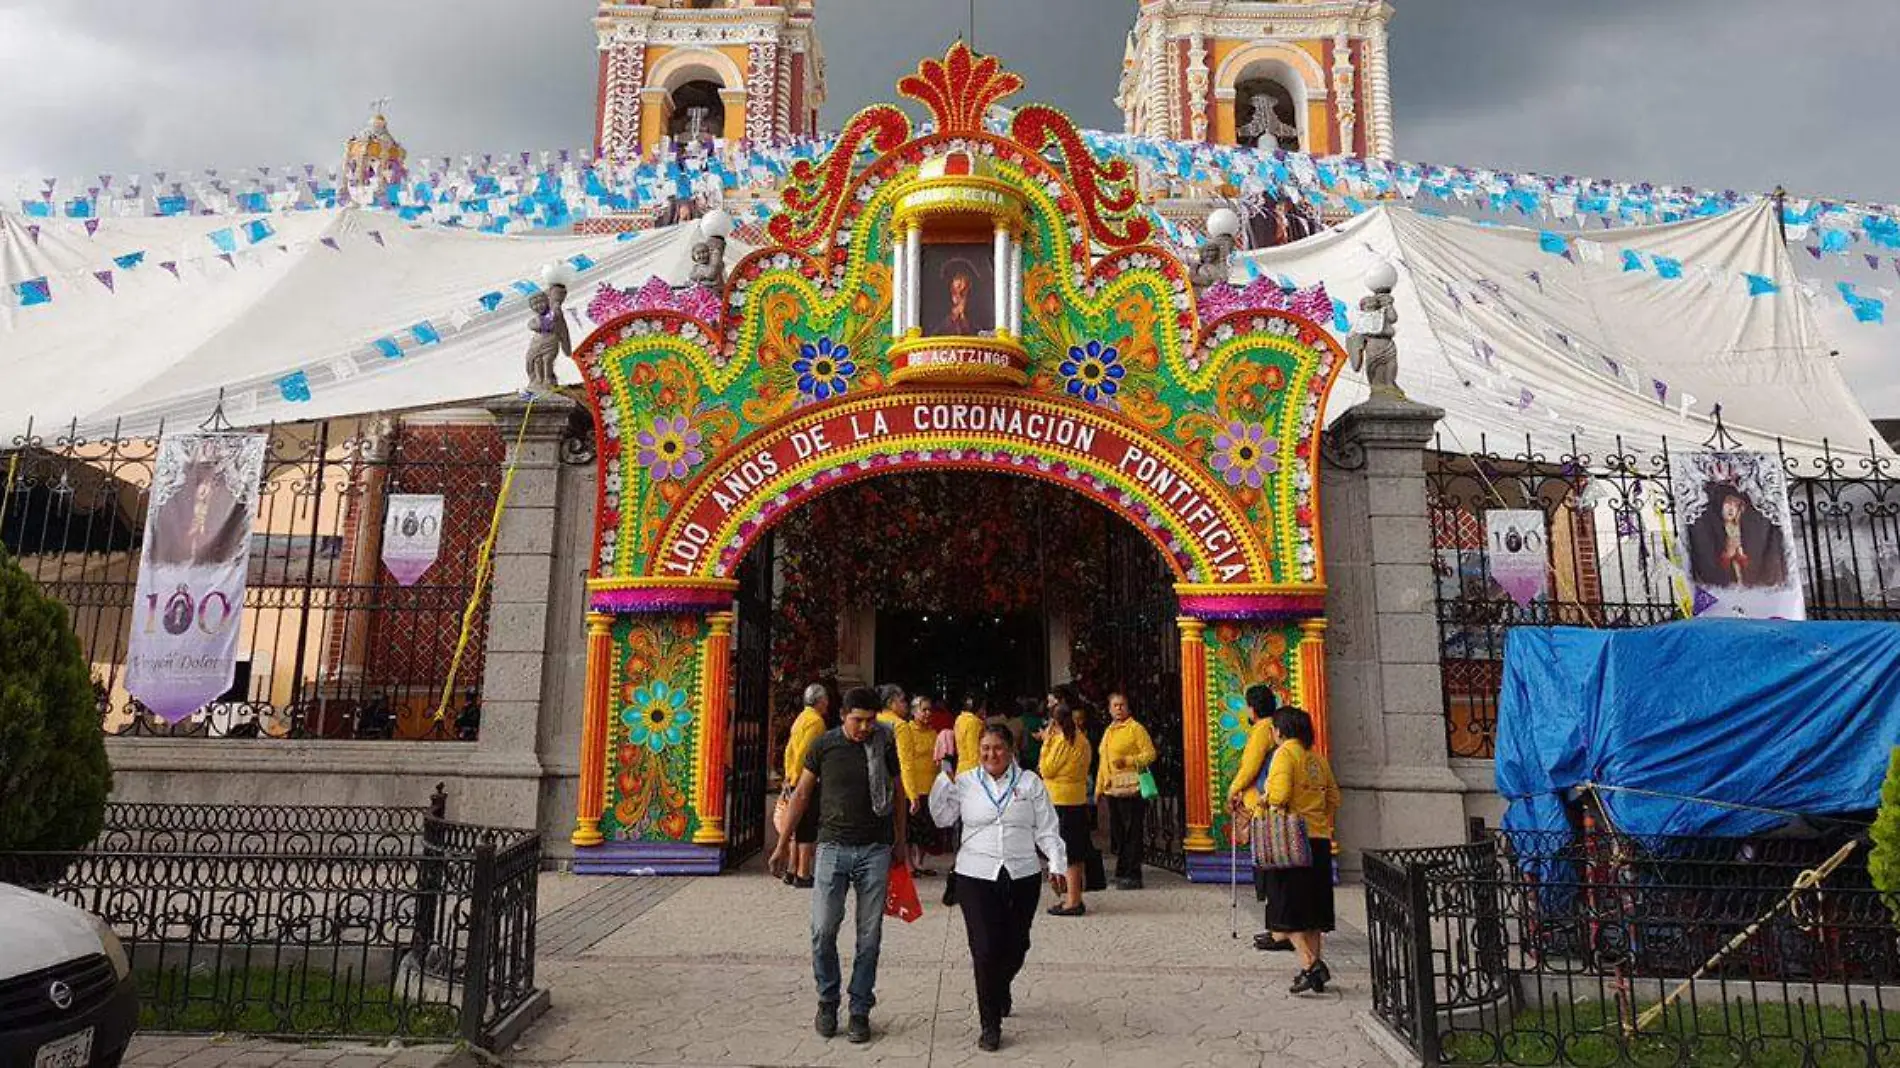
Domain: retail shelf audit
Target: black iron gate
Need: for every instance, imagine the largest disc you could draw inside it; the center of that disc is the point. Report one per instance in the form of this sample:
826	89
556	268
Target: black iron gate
751	707
1144	662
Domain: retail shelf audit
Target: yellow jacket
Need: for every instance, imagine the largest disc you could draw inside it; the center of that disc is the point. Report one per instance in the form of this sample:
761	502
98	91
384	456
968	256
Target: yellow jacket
1253	761
805	730
915	745
1128	743
1301	782
969	740
1065	767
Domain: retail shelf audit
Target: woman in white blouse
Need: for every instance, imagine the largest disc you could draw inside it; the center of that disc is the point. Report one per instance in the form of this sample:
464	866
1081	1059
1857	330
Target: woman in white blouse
1007	817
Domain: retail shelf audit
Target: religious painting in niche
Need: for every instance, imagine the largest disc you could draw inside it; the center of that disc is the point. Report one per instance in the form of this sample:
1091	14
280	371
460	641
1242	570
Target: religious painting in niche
1264	116
959	286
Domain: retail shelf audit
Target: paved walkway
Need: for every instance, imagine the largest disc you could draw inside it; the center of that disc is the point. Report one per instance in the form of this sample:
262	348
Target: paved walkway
717	972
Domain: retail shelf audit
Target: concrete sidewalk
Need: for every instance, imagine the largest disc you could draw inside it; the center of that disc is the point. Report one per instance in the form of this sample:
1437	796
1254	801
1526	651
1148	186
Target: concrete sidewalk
718	972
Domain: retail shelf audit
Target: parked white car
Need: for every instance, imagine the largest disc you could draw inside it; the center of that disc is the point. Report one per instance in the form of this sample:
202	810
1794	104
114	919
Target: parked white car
67	999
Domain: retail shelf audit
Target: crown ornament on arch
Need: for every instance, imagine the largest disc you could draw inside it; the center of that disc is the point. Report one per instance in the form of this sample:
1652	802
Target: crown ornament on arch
821	202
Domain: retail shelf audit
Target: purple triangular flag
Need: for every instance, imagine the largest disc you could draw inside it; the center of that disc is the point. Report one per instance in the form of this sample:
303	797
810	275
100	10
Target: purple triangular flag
1873	261
33	232
377	236
330	243
105	279
1661	388
228	261
1815	251
170	265
92	227
1704	600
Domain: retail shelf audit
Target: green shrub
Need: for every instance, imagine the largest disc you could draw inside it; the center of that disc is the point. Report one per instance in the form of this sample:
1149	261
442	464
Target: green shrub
53	772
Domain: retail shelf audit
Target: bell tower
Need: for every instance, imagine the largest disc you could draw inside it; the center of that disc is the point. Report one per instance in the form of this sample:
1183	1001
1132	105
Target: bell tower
1309	75
705	69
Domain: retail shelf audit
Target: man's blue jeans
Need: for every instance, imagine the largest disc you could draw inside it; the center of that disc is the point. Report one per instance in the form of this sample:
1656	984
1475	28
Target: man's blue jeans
865	869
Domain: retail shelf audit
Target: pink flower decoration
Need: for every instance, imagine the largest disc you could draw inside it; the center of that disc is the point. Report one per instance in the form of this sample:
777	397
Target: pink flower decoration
669	449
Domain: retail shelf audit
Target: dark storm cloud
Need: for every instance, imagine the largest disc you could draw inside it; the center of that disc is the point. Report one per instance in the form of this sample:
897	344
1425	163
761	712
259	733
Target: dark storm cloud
1727	93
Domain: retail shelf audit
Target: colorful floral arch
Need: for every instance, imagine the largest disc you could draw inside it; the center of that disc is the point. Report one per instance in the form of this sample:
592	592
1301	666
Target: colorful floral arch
1098	374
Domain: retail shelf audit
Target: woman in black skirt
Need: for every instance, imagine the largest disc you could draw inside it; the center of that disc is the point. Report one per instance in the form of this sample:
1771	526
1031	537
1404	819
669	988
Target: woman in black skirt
1300	900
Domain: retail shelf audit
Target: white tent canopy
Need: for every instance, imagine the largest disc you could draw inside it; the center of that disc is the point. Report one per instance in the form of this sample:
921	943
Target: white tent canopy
1537	340
1517	342
314	296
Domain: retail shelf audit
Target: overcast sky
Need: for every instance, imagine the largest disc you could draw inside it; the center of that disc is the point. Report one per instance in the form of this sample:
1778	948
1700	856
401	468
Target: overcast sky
1727	93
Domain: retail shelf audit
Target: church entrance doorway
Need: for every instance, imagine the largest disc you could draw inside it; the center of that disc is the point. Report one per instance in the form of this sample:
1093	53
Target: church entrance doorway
953	585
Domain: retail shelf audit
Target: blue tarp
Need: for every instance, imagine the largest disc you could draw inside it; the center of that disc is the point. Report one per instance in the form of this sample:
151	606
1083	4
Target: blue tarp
1798	717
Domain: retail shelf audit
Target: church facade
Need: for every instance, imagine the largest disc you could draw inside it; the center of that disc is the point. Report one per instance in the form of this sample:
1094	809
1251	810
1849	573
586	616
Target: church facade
689	69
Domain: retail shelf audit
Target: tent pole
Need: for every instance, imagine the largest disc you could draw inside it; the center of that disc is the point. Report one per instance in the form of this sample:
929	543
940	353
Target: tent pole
1781	218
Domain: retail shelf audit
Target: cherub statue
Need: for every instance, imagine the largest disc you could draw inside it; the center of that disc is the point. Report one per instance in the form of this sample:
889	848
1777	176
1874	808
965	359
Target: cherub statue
1371	343
1211	269
551	340
709	263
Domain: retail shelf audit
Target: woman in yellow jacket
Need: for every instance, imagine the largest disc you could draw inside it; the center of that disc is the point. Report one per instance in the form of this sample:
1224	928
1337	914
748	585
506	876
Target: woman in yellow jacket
1066	755
1243	794
1300	900
1127	750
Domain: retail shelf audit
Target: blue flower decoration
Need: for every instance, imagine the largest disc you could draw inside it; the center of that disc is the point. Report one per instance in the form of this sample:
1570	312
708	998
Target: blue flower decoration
658	717
1094	371
1236	723
824	369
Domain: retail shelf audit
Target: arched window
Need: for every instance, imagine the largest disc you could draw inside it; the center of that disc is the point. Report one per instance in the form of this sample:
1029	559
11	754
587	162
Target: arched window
698	112
1265	114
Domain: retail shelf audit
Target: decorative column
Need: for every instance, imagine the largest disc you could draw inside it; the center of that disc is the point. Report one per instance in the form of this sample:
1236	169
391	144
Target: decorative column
1016	285
656	107
734	101
1194	751
1379	143
715	702
593	795
1313	681
900	286
999	281
914	292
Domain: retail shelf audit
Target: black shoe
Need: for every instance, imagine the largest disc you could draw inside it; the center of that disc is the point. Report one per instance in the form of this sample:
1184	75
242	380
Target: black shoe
859	1031
1321	975
1266	943
1302	982
1311	979
950	891
990	1040
1064	910
804	882
827	1022
787	878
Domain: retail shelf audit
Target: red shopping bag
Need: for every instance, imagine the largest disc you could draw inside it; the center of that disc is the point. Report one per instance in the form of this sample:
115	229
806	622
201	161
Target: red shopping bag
901	899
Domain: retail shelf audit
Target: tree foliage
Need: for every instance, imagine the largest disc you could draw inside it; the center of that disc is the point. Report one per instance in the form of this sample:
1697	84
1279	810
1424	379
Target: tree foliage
54	777
1884	865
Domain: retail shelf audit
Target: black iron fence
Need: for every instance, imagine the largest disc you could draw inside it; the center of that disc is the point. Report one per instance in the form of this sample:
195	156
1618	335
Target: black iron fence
1597	949
313	921
1614	550
332	646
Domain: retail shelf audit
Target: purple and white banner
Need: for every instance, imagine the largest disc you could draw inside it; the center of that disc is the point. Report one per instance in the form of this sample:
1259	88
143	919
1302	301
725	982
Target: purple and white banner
1733	524
190	606
1517	547
412	535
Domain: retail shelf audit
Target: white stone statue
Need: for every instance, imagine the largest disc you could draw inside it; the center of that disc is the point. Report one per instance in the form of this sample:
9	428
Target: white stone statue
1265	126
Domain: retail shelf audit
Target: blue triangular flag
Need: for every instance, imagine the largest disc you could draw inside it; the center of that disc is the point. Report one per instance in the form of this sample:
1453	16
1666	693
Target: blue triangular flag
425	334
1759	285
1632	260
1554	243
491	301
388	347
1666	267
294	387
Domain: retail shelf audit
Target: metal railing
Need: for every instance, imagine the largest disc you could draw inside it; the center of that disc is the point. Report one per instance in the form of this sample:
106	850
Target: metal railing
1611	533
1600	949
312	921
332	646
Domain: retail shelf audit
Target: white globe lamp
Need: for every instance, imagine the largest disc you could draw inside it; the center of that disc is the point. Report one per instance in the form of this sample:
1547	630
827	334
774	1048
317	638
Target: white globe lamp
716	223
558	273
1382	276
1223	222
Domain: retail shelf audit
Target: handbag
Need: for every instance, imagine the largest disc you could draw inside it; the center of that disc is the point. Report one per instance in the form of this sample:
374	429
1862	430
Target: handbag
782	813
1279	841
1149	788
901	899
1124	784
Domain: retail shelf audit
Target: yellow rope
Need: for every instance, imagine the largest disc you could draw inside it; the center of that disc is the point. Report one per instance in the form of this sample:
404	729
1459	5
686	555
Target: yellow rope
6	497
1807	880
483	563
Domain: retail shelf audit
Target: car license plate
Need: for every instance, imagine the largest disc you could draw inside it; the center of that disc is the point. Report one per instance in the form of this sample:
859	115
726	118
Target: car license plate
73	1051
